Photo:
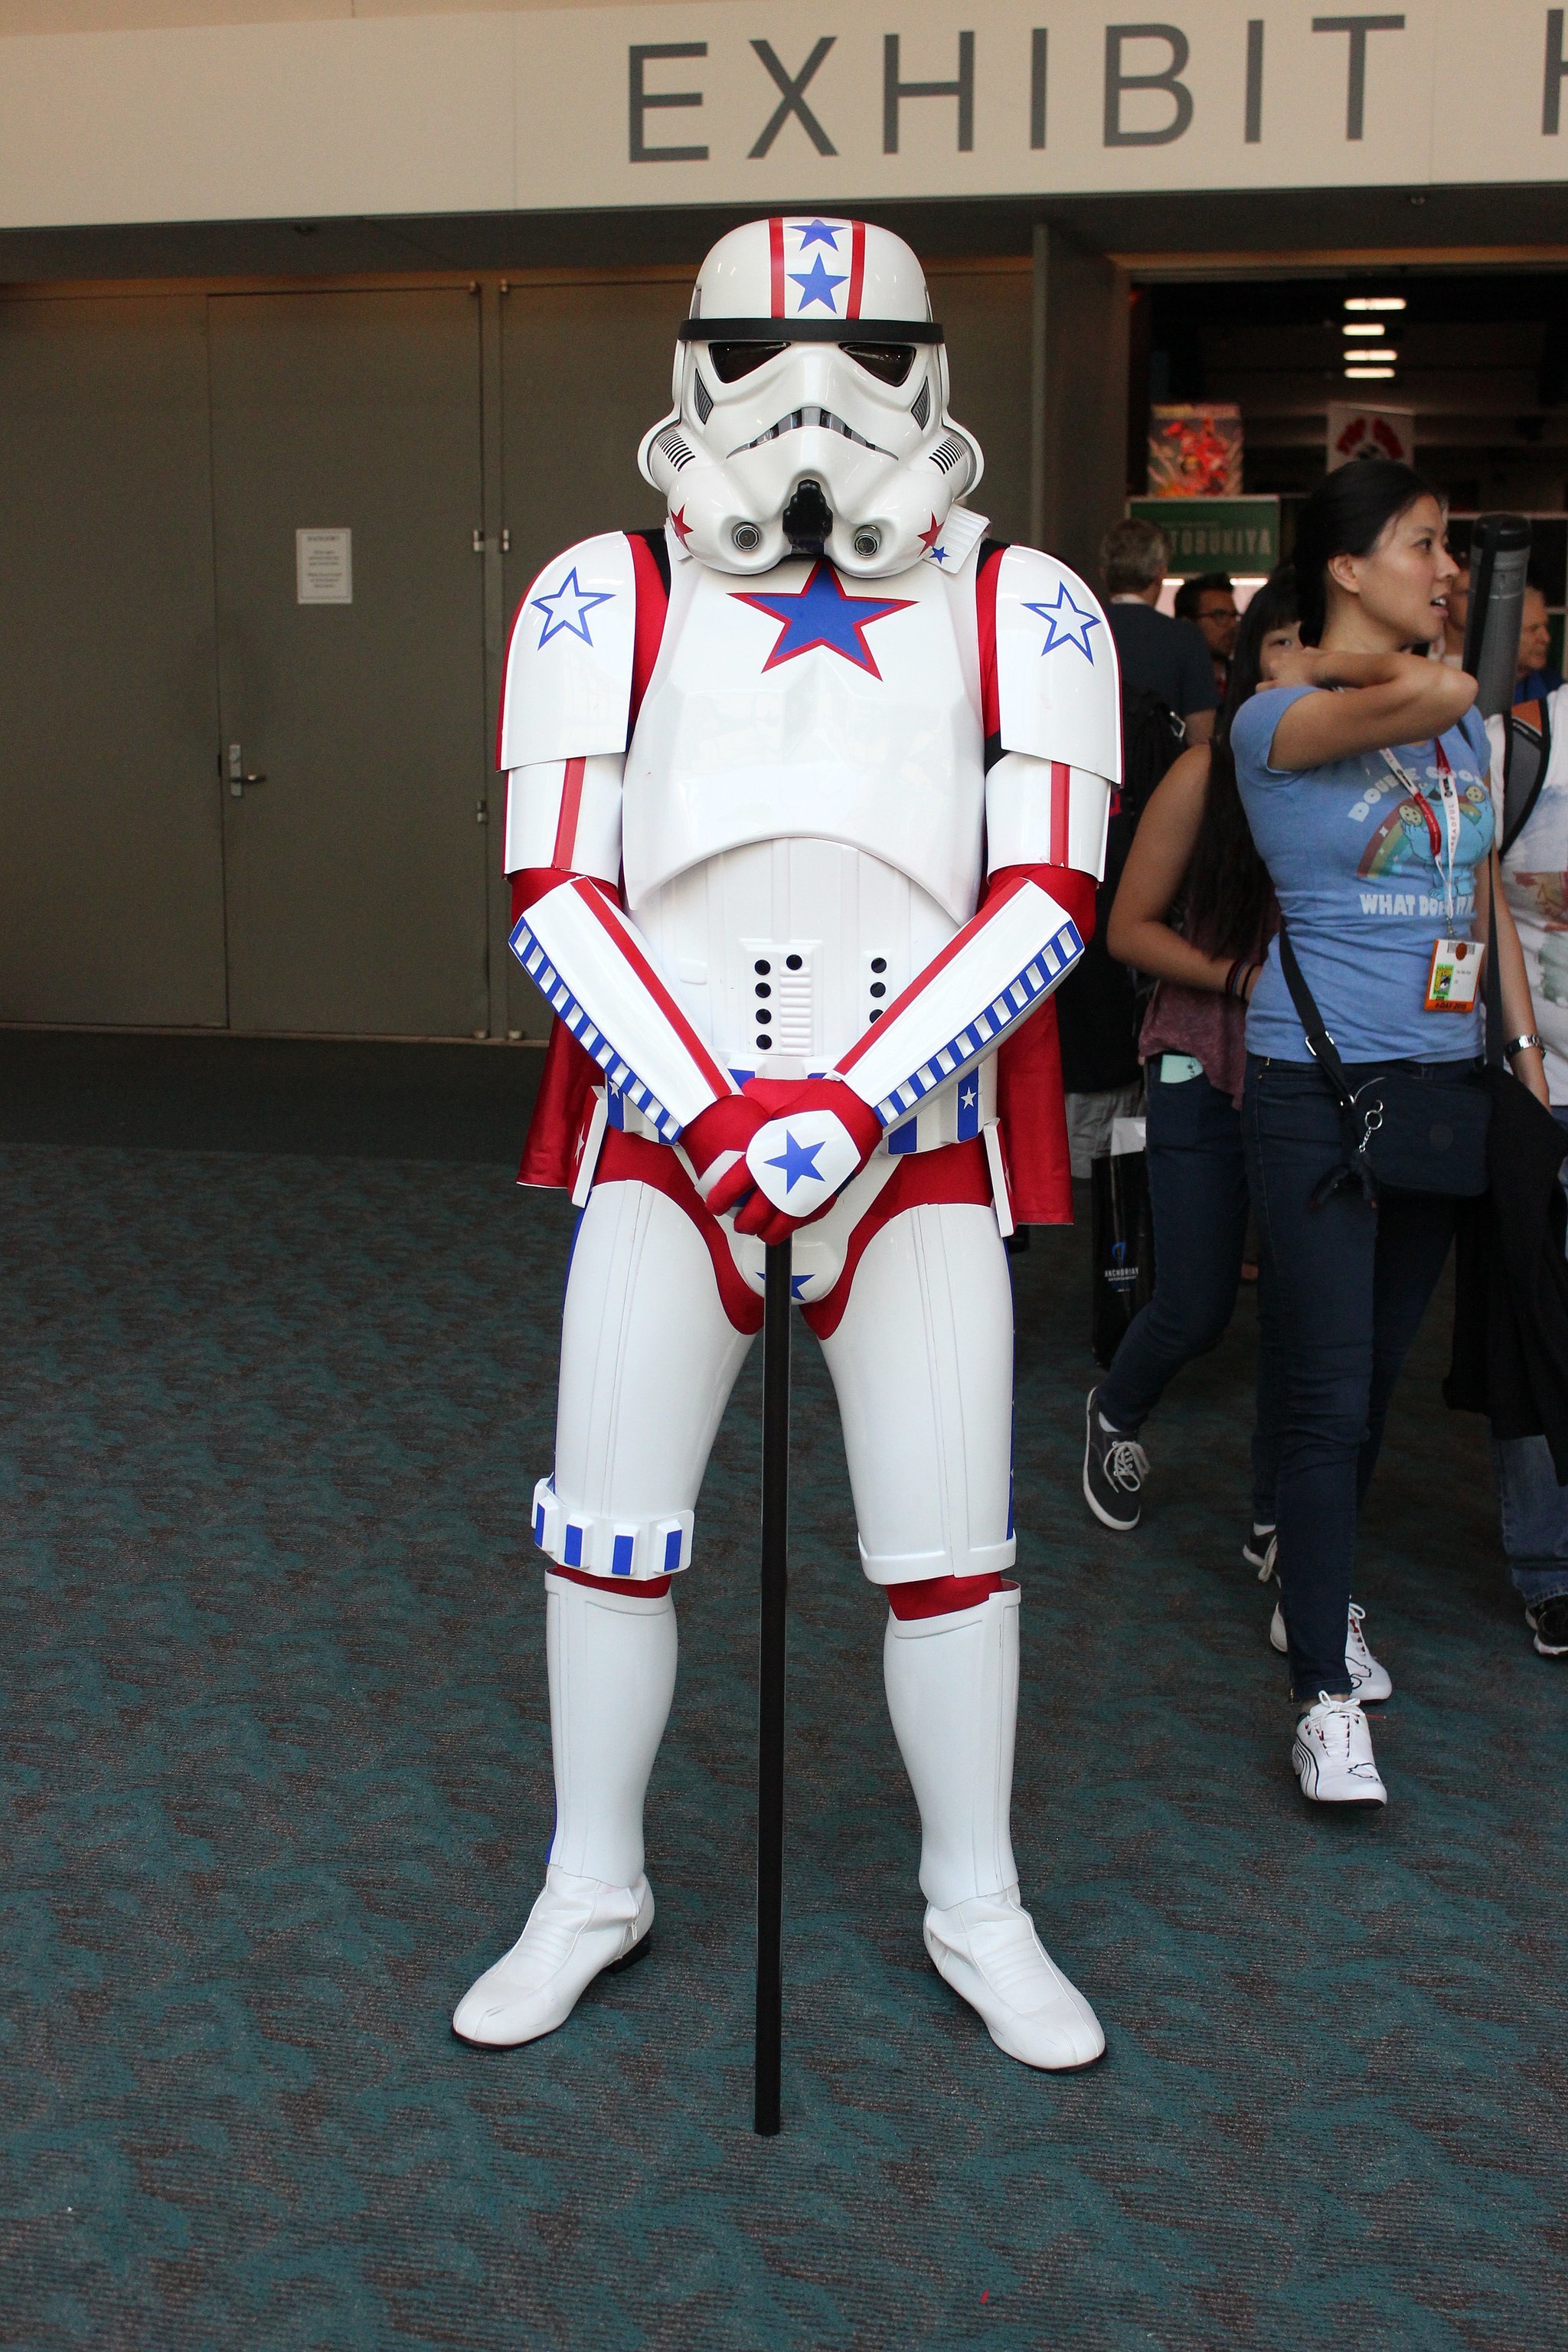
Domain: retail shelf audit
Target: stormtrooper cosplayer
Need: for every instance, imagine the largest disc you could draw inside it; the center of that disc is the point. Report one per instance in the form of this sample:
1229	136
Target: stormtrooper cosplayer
807	799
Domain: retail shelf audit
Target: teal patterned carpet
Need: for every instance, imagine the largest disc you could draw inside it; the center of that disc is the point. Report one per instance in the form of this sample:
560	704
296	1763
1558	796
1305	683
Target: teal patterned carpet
276	1786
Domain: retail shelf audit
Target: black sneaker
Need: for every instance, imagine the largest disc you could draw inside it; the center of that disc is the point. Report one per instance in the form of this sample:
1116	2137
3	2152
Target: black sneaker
1547	1621
1114	1469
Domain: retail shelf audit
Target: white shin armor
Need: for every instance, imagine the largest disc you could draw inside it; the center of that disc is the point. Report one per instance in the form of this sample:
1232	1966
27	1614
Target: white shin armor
952	1696
612	1676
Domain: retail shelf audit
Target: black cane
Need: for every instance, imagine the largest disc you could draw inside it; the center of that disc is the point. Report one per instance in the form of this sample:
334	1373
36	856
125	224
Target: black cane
770	1689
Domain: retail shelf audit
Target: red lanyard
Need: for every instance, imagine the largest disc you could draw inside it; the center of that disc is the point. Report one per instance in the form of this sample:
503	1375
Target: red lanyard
1428	812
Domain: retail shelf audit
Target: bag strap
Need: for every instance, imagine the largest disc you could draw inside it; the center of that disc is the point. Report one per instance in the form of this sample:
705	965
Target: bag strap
1320	1044
1522	785
1492	985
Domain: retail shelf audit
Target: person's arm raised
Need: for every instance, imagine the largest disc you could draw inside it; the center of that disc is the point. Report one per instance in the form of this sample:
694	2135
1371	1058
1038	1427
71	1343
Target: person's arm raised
1384	698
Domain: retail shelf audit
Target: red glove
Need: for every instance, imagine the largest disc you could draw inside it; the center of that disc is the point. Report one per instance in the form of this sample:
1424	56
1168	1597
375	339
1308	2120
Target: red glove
715	1142
818	1136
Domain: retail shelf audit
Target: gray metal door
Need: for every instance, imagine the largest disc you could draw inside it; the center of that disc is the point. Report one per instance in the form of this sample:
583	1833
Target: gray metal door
110	871
586	371
356	870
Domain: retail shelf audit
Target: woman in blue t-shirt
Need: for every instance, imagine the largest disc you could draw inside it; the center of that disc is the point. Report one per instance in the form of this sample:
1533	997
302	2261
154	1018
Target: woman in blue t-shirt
1370	806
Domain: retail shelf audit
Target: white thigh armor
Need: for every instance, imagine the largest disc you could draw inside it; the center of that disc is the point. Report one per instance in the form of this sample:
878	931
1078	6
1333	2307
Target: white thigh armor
921	1362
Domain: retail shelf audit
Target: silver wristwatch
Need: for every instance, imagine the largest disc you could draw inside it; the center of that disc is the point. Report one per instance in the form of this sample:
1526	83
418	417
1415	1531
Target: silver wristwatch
1522	1044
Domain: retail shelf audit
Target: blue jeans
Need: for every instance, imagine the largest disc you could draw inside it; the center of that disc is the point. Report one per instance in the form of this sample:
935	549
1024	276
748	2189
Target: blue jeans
1197	1190
1348	1286
1532	1507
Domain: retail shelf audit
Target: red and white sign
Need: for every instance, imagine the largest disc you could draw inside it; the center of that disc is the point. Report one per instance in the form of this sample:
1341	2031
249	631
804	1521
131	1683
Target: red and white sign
1358	431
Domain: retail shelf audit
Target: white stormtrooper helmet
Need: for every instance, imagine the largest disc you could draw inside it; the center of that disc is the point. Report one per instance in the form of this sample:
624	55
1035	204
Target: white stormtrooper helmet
810	409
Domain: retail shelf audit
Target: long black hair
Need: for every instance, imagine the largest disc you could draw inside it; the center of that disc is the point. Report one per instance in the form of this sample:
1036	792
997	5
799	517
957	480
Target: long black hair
1227	891
1347	514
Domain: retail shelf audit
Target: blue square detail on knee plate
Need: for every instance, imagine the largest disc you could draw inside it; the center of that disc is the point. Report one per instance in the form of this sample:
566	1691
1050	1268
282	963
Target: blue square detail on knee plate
573	1546
621	1557
539	1525
672	1551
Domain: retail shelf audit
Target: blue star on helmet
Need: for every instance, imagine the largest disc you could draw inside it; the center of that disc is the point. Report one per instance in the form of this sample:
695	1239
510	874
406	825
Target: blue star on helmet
1069	623
816	285
568	607
818	232
820	613
797	1160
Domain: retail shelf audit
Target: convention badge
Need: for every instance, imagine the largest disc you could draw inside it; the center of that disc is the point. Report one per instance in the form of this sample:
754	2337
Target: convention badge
1452	980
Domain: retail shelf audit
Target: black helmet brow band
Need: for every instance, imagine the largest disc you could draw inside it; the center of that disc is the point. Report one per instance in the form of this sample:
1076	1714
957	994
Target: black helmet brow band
809	330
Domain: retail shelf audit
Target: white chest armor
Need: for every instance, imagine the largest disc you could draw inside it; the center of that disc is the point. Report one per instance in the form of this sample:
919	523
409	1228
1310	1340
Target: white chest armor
754	728
801	839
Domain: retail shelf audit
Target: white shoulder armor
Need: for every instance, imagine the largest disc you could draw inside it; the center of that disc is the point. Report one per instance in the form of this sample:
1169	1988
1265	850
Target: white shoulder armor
569	666
1058	684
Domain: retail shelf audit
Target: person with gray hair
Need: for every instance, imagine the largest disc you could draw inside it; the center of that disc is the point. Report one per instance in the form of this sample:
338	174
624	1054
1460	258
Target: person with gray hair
1158	655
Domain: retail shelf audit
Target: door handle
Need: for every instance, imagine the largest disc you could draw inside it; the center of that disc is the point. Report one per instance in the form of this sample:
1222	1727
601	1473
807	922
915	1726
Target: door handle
238	776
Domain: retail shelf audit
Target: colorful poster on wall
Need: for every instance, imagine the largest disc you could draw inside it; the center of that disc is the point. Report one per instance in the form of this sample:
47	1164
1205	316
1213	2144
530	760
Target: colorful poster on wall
1358	431
1195	449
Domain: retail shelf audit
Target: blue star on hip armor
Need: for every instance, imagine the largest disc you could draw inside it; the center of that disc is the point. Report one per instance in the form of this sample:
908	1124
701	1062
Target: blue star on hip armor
816	285
1069	623
577	603
818	232
797	1159
820	613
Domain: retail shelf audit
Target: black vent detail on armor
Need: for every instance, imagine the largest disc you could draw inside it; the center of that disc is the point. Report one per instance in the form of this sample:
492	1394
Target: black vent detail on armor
947	454
921	412
674	448
702	398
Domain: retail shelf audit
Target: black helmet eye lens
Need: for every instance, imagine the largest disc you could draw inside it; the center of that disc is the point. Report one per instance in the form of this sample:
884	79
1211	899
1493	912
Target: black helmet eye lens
889	363
732	361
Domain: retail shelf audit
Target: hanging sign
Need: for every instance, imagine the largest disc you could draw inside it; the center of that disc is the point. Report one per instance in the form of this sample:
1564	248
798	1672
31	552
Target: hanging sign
1215	534
1356	431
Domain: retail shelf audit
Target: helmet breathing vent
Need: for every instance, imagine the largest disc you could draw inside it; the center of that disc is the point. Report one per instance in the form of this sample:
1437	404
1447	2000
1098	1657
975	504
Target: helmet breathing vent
670	443
702	398
947	454
921	412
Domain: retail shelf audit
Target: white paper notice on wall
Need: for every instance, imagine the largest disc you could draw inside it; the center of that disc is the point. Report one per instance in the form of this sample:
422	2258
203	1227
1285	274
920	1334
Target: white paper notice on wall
324	567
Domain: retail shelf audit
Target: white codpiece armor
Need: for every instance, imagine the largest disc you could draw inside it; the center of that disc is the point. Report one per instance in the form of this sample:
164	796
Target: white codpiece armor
789	789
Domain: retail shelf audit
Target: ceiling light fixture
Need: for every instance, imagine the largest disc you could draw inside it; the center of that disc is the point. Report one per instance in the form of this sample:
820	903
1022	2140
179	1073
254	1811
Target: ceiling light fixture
1370	374
1363	327
1374	302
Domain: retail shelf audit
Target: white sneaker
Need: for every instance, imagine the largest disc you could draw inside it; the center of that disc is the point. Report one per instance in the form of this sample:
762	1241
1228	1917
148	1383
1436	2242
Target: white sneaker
987	1949
578	1930
1332	1755
1370	1679
1261	1549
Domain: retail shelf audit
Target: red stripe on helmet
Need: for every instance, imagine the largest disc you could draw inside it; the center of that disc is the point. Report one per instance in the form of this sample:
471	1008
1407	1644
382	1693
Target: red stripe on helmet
857	267
775	263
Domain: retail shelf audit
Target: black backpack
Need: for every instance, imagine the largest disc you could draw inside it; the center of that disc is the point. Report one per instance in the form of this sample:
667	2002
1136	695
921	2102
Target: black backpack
1100	1008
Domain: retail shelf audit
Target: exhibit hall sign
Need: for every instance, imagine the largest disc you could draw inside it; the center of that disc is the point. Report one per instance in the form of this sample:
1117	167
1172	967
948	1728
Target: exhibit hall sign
717	101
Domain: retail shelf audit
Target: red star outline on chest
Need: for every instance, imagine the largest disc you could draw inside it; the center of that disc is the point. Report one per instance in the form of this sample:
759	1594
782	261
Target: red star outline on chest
821	614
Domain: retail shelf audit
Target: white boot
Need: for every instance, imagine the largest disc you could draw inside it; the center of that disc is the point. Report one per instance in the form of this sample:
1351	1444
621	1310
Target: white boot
612	1675
953	1694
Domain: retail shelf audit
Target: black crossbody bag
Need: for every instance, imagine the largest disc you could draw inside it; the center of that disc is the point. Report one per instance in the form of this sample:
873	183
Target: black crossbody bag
1424	1134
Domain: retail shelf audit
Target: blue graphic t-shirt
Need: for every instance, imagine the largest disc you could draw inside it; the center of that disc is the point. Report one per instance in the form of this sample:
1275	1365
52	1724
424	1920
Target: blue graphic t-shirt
1351	853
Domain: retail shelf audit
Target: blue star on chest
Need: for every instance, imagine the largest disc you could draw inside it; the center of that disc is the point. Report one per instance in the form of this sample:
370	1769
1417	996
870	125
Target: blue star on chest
815	284
1068	623
797	1159
820	613
567	611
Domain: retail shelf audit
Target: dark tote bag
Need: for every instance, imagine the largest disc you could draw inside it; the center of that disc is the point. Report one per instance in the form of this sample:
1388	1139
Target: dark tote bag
1425	1134
1121	1241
